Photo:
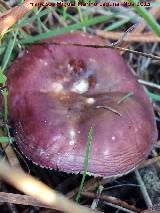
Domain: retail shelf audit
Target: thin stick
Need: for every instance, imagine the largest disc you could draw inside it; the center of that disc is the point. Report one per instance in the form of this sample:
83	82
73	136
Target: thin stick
11	206
119	208
110	109
143	190
131	37
149	162
149	55
90	185
96	199
112	200
38	190
154	11
21	200
150	84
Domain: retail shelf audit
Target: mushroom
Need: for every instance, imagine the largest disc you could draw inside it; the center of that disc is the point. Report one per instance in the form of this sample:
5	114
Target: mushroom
58	92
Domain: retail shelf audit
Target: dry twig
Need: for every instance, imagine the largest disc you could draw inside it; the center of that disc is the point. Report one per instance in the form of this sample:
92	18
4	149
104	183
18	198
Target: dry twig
90	185
149	162
10	17
139	29
149	55
131	37
39	190
143	190
154	11
113	200
21	200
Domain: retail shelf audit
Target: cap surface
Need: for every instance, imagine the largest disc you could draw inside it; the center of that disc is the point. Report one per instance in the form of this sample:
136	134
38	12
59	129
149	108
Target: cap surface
57	93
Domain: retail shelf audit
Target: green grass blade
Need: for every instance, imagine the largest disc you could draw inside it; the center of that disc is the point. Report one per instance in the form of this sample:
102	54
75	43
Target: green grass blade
27	20
5	98
153	96
8	51
118	24
142	11
79	11
85	163
54	32
5	139
125	97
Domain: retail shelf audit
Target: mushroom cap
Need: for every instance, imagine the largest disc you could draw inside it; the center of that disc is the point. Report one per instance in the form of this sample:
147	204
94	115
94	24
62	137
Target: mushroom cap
57	93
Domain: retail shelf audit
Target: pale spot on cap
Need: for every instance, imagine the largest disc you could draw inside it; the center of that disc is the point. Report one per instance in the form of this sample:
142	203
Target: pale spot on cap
113	138
72	133
90	100
80	86
72	142
57	87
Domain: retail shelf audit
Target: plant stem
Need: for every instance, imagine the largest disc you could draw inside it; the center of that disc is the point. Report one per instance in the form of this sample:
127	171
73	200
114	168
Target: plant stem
85	163
147	16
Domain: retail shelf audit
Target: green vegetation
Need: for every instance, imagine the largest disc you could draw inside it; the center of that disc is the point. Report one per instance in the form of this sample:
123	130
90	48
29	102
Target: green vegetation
85	163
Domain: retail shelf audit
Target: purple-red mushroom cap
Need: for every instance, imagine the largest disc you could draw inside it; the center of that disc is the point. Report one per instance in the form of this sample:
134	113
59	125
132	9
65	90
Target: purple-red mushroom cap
58	92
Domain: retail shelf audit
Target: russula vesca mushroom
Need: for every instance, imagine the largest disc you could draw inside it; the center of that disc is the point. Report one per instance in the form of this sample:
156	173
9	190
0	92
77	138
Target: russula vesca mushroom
57	93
